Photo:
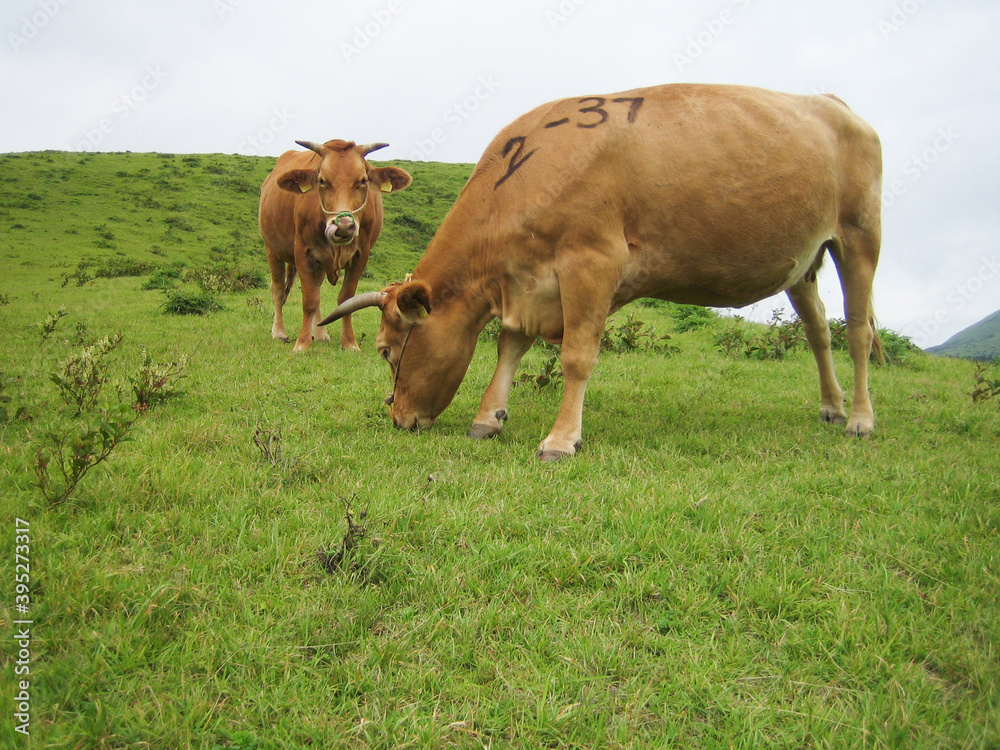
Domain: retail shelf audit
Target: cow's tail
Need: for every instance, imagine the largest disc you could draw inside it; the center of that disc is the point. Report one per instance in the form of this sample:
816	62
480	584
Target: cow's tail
877	349
289	279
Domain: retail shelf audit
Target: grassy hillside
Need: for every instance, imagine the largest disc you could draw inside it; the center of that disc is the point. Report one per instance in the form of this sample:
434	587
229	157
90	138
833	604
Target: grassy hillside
265	562
979	341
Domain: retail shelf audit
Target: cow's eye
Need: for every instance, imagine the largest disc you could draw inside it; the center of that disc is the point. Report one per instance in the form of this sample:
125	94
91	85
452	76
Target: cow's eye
384	352
322	182
363	183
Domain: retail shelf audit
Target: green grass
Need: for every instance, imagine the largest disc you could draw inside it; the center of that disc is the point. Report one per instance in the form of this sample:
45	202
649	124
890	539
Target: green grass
715	569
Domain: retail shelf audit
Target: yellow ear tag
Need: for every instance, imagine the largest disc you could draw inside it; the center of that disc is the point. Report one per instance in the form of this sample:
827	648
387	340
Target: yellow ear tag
421	314
305	187
386	187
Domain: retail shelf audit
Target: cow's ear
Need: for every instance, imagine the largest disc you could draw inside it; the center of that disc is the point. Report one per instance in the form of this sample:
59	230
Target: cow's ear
390	179
413	301
298	180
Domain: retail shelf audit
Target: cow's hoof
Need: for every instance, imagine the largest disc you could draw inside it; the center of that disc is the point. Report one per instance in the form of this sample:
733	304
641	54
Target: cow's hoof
551	456
833	416
483	431
859	429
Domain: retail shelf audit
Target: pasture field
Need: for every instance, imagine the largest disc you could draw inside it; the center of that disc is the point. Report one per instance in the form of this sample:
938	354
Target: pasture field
715	569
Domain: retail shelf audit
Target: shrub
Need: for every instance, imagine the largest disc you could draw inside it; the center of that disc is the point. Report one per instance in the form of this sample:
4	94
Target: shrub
987	382
48	326
898	349
549	372
226	279
115	268
184	302
772	343
634	335
82	377
68	455
155	383
692	317
165	278
21	413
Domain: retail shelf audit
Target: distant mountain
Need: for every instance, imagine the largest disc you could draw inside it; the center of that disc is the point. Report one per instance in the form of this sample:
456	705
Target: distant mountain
979	341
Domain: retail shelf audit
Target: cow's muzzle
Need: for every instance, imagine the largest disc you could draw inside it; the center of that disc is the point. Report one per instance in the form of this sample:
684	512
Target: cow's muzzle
341	228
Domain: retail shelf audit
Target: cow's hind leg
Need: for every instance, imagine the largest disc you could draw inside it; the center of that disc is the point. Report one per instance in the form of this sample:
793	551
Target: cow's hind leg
511	347
352	275
281	283
311	280
805	299
856	256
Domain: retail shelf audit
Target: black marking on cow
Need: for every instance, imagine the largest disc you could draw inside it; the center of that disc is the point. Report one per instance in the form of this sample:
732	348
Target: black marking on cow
597	109
516	160
633	110
516	144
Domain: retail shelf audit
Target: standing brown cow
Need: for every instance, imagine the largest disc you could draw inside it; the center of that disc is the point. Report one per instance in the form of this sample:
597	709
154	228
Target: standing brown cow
320	214
709	195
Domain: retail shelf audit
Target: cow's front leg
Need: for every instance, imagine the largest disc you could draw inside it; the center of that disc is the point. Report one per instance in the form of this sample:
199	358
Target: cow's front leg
511	347
579	355
311	282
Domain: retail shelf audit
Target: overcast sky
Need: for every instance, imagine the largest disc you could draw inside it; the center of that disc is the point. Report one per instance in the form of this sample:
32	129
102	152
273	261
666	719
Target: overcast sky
438	78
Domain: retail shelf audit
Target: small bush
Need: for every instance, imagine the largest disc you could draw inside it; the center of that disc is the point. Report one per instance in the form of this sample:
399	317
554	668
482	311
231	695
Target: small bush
156	383
115	268
692	317
185	302
772	343
898	349
21	413
81	275
81	378
165	278
634	335
225	279
987	382
68	454
550	371
48	326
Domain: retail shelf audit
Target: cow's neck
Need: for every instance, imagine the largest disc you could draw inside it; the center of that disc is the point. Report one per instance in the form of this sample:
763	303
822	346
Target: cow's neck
458	281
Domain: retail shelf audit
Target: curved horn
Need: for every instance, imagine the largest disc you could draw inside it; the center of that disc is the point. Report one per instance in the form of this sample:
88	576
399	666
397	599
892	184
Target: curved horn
317	147
369	299
368	148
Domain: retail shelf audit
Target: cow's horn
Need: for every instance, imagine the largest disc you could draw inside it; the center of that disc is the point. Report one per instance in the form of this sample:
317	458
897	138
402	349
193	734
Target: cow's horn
369	299
317	147
367	149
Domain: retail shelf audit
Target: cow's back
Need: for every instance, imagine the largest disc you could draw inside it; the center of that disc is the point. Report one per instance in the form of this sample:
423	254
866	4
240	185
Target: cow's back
715	188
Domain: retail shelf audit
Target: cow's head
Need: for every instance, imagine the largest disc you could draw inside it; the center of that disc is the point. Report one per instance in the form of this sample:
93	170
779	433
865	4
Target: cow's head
343	180
428	348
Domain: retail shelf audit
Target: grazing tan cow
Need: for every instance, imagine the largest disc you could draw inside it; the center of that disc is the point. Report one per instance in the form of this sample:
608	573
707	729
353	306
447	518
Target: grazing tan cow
701	194
320	214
